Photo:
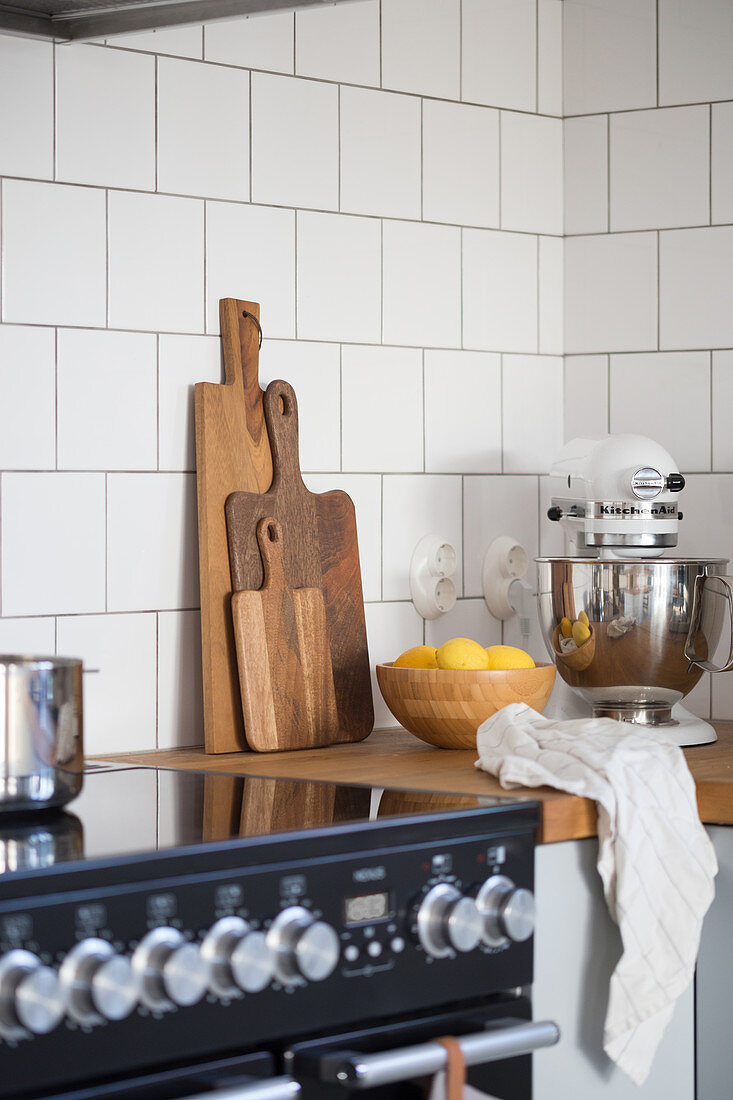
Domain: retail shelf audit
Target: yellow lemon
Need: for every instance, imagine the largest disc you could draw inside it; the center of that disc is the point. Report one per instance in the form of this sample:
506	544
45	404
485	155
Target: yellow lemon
508	656
566	628
583	618
420	656
581	633
462	653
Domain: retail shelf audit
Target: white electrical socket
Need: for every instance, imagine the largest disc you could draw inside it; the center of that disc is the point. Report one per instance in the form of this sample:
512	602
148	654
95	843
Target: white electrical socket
504	562
432	565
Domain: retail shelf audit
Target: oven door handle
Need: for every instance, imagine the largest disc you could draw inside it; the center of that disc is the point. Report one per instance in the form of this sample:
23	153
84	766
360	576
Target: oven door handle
503	1039
275	1088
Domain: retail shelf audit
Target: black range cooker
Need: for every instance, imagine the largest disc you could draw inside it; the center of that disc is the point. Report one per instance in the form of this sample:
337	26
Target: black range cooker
183	934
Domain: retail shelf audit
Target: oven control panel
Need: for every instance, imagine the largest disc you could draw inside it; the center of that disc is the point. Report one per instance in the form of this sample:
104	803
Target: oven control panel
210	956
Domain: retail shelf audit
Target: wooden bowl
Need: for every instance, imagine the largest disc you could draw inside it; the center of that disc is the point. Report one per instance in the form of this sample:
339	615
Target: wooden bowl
445	707
578	659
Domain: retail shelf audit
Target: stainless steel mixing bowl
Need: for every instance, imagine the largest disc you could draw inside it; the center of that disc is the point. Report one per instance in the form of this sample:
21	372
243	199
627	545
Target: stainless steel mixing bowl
654	623
41	731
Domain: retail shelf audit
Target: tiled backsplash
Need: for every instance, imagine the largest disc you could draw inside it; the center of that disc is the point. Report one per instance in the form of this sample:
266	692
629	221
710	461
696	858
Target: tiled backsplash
386	179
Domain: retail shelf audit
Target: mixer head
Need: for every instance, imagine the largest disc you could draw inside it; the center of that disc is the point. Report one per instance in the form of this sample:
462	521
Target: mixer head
616	496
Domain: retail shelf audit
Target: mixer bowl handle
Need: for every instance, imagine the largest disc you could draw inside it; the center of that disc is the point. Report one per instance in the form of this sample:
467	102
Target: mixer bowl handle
696	618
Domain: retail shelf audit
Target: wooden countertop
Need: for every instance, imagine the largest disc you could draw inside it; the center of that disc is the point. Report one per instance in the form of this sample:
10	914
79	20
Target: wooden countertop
396	759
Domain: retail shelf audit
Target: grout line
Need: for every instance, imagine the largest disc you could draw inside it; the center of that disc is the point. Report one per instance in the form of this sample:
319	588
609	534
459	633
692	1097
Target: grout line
659	300
381	538
56	395
2	529
608	393
538	294
157	681
498	113
501	407
157	392
712	396
460	50
106	543
54	113
424	421
536	55
341	408
608	173
296	303
710	166
338	131
462	296
656	47
251	137
205	242
107	288
381	79
381	283
295	46
422	159
157	113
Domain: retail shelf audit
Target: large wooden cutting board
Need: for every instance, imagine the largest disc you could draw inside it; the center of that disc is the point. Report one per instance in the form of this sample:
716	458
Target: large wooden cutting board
321	550
232	452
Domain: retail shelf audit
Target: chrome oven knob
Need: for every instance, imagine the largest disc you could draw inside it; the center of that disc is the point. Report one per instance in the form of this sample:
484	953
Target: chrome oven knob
507	910
97	984
237	958
171	971
447	922
302	947
30	997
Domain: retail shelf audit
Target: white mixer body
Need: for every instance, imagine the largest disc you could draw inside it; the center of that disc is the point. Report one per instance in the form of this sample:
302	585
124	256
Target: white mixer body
616	496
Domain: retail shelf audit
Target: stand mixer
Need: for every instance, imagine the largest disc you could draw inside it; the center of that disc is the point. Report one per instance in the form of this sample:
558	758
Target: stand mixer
650	623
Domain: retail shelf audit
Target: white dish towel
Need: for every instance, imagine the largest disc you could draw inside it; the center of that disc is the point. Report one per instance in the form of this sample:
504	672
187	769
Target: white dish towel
654	857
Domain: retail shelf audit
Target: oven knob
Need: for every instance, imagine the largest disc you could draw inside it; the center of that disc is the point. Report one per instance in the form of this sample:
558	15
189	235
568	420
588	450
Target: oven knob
237	958
301	946
29	994
507	911
97	984
170	970
447	922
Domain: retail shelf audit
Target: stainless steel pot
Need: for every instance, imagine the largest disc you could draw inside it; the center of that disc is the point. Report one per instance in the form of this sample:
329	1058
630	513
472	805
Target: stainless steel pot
655	624
41	731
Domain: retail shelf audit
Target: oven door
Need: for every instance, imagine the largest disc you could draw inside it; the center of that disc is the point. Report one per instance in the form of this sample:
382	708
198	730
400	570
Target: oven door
393	1060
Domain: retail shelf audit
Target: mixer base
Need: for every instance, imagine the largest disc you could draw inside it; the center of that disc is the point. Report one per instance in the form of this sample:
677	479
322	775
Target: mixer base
629	712
682	727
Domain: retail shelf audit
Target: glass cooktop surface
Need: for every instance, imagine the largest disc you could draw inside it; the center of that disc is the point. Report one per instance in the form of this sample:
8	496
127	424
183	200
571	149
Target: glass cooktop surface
125	811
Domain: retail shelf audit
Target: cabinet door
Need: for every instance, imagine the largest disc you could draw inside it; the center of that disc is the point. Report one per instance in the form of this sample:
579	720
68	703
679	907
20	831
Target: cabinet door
714	981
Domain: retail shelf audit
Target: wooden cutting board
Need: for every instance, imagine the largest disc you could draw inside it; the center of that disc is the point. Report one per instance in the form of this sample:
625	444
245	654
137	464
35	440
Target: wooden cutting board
321	550
232	452
287	690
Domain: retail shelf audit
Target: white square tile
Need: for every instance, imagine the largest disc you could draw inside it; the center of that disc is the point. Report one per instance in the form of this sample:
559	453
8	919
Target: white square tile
122	651
28	404
660	168
586	396
655	394
422	284
48	230
417	505
611	293
534	644
586	174
421	47
462	412
499	290
532	410
156	263
468	619
706	504
295	142
380	153
531	173
263	42
694	288
107	400
381	420
695	51
610	52
113	145
552	535
182	361
52	543
180	688
29	636
250	254
339	43
722	163
26	114
177	41
152	561
197	154
391	629
549	57
494	506
460	163
366	492
722	401
551	321
314	371
721	689
500	53
339	278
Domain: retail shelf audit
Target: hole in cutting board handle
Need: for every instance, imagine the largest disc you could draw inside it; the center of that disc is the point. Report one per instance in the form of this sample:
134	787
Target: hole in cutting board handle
283	405
272	532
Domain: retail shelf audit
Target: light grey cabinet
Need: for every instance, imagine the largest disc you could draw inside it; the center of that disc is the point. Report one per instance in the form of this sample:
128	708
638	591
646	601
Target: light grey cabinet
714	983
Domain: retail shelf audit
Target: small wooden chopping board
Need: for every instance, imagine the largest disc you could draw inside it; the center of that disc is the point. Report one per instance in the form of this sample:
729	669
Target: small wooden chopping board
320	551
287	689
232	452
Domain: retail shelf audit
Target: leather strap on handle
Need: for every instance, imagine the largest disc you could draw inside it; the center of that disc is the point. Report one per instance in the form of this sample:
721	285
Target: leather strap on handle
455	1071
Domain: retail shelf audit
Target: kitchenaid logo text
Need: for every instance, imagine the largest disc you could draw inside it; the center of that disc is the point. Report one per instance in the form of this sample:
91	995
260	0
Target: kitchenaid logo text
633	510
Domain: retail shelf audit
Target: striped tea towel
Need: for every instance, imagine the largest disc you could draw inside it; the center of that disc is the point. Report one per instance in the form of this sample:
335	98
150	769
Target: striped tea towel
654	857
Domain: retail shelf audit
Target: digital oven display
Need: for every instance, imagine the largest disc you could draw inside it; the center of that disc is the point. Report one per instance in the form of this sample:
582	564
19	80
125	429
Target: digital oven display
366	907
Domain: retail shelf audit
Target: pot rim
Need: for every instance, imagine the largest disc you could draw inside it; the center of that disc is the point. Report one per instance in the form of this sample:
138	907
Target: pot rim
633	561
19	660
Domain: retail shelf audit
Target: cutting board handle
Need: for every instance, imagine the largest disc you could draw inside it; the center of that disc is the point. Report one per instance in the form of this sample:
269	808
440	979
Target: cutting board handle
281	417
241	342
270	541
